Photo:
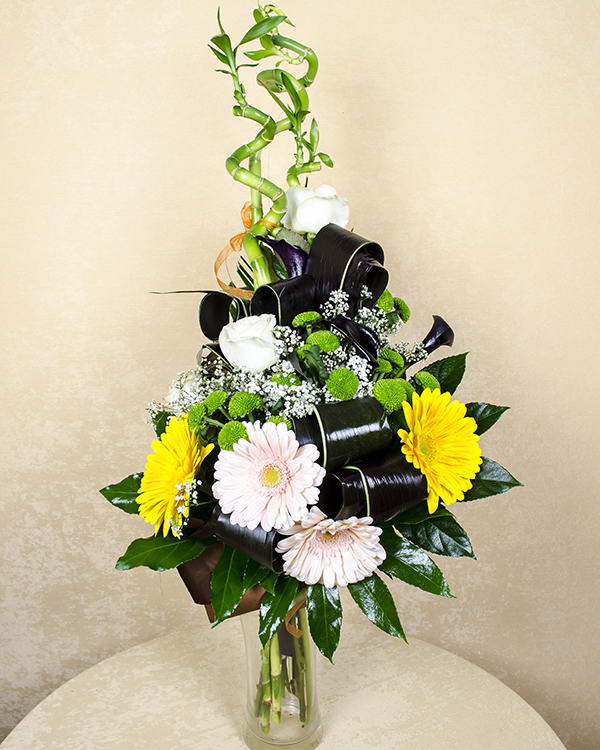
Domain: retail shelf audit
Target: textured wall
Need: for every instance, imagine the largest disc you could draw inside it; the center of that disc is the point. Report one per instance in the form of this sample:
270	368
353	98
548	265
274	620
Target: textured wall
465	137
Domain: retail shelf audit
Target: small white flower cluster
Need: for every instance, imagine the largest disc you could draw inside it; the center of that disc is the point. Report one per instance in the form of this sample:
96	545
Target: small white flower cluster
338	303
187	493
411	352
287	340
377	320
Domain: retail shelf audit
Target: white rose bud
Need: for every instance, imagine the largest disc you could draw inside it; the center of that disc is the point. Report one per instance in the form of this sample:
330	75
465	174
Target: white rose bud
311	210
249	342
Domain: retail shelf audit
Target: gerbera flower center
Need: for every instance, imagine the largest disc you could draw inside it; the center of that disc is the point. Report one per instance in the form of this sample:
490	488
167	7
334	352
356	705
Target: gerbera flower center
270	475
427	447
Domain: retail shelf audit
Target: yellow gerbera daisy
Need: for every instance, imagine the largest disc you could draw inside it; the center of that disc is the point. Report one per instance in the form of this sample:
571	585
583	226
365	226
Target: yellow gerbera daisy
164	496
441	443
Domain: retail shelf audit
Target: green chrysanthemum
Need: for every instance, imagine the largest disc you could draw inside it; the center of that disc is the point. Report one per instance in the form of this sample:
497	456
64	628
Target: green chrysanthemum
383	365
196	416
394	357
342	383
214	401
402	309
427	380
327	341
386	301
280	420
282	378
230	433
305	318
392	392
242	403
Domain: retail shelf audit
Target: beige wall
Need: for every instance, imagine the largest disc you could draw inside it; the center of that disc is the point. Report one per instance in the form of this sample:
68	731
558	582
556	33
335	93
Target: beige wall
466	137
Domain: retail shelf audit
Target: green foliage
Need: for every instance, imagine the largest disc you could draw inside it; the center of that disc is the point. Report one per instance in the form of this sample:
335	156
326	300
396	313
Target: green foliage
274	607
486	415
281	420
196	416
233	575
324	618
161	553
402	309
214	401
306	318
230	433
242	403
285	378
343	383
261	28
386	301
326	341
160	421
439	533
391	393
123	494
410	564
375	601
492	479
427	380
448	371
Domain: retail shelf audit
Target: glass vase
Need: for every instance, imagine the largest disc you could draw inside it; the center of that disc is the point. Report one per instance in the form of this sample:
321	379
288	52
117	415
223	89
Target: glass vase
282	707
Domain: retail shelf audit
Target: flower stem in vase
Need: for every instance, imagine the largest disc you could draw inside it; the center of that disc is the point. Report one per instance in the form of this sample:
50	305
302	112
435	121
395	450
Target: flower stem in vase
299	677
308	665
265	679
276	679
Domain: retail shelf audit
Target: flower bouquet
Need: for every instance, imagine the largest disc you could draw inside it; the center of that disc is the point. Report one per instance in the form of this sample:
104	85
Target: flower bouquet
308	450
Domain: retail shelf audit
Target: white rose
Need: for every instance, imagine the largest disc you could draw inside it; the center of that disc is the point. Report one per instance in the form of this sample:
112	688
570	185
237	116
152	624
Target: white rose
311	210
249	342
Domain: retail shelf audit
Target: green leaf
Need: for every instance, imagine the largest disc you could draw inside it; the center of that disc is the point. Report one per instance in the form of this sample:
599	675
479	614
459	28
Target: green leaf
492	479
223	42
290	88
314	135
410	564
259	54
486	415
324	618
123	495
219	55
440	534
374	599
160	421
226	583
448	371
419	513
270	582
326	159
261	28
274	607
161	553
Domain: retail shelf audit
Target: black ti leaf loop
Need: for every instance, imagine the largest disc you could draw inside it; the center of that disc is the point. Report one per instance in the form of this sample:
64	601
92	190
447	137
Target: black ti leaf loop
215	311
381	486
340	259
284	299
345	430
257	544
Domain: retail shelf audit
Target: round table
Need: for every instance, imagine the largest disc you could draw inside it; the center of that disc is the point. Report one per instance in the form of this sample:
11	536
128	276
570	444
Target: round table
185	690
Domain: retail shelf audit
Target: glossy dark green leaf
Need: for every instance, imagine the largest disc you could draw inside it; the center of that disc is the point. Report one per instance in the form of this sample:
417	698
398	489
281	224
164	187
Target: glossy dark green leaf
326	159
274	607
449	371
440	534
227	583
270	582
492	479
161	553
375	600
419	513
486	415
160	421
123	494
261	28
324	618
410	564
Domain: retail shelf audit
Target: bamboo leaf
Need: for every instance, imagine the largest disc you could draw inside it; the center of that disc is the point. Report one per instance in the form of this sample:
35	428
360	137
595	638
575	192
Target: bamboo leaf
259	54
223	42
291	89
261	28
219	55
123	494
375	601
324	618
274	607
410	564
314	135
492	479
326	159
161	553
486	415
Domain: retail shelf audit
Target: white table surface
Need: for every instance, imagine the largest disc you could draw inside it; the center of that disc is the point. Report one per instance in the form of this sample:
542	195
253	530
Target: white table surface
185	691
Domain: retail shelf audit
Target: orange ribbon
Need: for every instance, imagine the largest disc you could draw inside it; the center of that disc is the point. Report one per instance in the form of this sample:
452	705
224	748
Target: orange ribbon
292	629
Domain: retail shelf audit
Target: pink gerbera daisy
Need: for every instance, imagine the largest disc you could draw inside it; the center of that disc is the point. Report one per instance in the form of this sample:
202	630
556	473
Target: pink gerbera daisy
268	479
334	553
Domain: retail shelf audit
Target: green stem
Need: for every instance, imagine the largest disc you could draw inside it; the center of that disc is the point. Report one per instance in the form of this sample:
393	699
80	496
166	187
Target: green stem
255	196
308	665
276	679
265	681
299	677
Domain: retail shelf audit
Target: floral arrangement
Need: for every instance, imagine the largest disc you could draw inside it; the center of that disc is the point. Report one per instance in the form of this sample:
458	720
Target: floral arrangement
309	449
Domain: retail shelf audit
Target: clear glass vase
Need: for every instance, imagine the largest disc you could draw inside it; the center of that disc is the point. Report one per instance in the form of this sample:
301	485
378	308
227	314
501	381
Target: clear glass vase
282	707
